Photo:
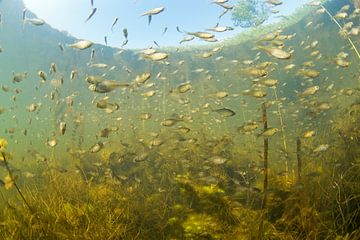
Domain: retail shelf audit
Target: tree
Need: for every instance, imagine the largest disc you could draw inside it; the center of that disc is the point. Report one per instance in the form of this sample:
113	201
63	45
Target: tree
250	13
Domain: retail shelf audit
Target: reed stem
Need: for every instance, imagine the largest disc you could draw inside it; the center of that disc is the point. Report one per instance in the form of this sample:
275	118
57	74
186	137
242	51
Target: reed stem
266	172
298	155
282	128
15	184
341	28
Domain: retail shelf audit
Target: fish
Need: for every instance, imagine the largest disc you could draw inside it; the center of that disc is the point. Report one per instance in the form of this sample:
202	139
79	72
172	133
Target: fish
106	86
248	127
308	134
269	132
73	74
105	40
42	75
62	128
53	68
142	78
182	88
152	12
145	116
81	45
116	19
52	143
217	160
19	77
187	39
96	147
157	56
125	33
61	47
257	93
35	21
107	106
310	91
220	29
98	65
24	14
91	14
266	82
308	73
275	52
165	30
219	1
274	2
321	148
33	107
150	93
202	35
225	112
170	122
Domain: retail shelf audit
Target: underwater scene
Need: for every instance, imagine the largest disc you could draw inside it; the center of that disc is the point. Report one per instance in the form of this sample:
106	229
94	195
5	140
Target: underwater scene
255	135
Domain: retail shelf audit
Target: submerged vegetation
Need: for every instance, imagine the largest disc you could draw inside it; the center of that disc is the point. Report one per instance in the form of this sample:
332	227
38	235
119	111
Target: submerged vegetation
258	140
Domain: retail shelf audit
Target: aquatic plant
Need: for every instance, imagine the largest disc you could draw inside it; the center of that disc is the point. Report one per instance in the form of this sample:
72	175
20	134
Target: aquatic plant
10	178
249	13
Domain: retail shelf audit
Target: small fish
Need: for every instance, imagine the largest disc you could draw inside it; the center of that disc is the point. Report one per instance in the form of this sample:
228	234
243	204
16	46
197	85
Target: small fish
61	47
35	21
33	107
52	143
321	148
157	56
107	106
73	74
106	86
96	147
53	68
62	128
152	12
178	29
105	40
24	14
114	22
225	112
269	132
202	35
81	45
145	116
309	134
156	43
187	39
310	91
248	127
308	73
257	93
275	52
92	12
170	122
19	77
217	160
42	75
142	78
165	30
125	33
183	87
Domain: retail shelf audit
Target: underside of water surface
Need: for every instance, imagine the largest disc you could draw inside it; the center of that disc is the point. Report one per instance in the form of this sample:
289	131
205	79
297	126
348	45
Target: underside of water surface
257	137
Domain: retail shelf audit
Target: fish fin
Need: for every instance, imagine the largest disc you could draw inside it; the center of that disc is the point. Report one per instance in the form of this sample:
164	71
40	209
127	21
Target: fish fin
149	19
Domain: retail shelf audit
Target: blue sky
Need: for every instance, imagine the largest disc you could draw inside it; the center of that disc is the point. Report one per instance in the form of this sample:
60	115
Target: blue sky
189	15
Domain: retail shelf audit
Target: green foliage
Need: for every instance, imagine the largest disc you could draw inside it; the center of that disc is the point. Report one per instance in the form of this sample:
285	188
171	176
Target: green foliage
250	13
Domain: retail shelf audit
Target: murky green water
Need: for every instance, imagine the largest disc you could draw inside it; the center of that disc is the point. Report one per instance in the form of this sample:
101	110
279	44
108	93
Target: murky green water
173	164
